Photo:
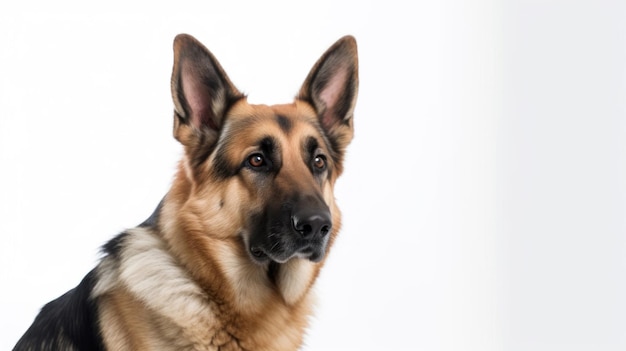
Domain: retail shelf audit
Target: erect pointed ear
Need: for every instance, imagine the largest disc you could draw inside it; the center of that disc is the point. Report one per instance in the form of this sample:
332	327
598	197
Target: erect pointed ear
332	87
201	92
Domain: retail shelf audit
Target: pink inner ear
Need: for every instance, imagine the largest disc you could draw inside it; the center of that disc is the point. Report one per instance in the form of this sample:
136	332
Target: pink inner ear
198	99
331	94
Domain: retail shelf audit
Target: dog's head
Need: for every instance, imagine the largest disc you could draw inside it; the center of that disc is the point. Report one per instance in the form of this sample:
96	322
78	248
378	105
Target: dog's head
264	175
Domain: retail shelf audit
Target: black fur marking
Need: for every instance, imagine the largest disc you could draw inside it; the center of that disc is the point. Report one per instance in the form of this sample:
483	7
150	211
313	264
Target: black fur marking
223	167
269	146
284	123
153	220
204	150
68	323
310	146
272	271
114	246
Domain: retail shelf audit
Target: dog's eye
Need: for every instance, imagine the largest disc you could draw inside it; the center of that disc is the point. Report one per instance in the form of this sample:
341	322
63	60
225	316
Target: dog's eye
256	160
319	162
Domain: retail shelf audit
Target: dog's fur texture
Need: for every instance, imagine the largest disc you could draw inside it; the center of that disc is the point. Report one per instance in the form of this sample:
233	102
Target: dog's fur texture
228	258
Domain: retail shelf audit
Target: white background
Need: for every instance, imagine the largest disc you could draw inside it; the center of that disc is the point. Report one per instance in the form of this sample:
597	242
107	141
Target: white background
484	196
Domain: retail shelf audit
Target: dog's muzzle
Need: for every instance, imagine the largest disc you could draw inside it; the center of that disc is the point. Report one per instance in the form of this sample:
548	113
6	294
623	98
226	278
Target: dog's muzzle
290	232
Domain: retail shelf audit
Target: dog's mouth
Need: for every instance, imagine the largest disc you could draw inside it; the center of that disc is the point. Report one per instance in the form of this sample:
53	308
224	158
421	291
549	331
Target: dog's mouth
281	253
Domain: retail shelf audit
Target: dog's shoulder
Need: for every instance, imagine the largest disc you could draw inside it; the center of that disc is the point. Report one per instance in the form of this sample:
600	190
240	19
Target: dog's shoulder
68	323
140	282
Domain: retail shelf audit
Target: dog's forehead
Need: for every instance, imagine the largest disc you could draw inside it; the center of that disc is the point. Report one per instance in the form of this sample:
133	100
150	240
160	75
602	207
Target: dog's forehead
253	121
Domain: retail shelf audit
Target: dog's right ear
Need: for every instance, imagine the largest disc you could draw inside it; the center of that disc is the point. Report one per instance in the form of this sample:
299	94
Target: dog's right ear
332	88
202	93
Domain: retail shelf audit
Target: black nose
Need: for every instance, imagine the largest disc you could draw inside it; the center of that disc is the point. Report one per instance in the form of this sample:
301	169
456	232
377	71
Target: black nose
312	222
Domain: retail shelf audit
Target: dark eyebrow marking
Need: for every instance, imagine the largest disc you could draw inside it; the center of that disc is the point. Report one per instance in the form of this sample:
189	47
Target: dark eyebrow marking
268	145
310	148
310	145
284	123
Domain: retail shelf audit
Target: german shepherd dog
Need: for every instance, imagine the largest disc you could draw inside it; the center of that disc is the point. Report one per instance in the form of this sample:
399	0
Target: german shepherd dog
228	258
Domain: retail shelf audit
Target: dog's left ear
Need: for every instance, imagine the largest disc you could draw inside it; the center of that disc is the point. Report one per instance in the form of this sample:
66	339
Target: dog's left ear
332	87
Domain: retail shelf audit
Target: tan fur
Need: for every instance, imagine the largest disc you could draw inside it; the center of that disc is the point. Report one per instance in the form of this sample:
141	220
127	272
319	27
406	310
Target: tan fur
229	257
191	284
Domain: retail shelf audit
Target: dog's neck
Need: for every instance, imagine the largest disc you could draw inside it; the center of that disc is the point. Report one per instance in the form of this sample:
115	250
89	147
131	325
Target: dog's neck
245	310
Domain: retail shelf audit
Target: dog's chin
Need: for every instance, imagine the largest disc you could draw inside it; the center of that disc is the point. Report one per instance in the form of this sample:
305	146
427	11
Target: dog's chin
262	256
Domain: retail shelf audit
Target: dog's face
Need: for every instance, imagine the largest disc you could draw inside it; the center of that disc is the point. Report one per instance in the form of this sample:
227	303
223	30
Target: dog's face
282	159
264	175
